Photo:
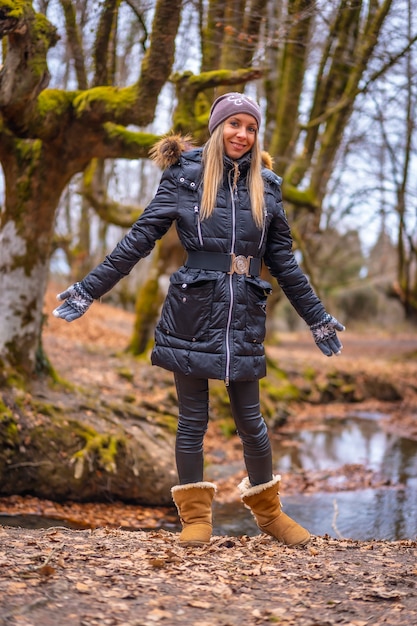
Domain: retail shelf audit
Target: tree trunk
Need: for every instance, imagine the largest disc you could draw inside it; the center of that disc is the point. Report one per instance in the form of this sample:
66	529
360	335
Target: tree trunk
290	79
45	138
33	186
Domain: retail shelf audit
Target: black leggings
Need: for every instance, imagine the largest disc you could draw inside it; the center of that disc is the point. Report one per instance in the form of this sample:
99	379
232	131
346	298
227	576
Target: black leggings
193	404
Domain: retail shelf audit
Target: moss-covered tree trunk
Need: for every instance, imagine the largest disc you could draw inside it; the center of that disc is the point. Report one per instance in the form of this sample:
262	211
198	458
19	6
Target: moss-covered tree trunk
33	185
46	136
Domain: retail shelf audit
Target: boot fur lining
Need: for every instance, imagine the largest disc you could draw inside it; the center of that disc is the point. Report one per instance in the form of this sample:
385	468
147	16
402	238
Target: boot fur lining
246	488
200	485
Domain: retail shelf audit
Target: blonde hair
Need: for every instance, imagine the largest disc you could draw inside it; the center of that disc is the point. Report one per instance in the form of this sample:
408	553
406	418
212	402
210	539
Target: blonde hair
212	180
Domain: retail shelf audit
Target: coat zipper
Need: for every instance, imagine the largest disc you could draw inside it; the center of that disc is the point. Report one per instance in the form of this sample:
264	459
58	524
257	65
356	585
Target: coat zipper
200	236
229	316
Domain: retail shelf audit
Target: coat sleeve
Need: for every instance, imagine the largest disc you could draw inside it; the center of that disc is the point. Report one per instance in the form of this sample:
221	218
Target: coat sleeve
282	264
139	241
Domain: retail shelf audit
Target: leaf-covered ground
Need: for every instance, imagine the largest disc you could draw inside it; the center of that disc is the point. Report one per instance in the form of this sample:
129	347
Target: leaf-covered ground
110	576
60	577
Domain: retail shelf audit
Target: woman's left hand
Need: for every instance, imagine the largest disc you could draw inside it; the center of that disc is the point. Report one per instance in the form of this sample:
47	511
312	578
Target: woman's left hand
324	334
77	301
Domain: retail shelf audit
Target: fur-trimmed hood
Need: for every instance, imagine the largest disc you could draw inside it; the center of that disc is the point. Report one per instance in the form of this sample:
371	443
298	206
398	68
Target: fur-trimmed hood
168	150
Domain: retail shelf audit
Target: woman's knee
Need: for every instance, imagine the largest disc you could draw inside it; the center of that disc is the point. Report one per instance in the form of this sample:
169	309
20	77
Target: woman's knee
254	429
192	427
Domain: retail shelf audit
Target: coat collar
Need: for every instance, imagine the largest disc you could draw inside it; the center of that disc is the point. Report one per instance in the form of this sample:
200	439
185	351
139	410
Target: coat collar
168	151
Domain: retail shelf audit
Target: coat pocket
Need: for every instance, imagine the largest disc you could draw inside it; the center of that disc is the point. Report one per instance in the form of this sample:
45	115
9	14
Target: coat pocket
257	292
186	312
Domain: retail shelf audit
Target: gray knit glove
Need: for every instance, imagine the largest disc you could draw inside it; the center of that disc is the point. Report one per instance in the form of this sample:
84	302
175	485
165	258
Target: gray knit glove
324	334
77	302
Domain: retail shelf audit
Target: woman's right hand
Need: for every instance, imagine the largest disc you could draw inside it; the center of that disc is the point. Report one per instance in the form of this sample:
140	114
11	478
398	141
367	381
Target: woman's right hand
77	302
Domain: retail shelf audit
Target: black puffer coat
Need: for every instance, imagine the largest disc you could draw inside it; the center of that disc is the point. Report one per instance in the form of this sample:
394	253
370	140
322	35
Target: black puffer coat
212	323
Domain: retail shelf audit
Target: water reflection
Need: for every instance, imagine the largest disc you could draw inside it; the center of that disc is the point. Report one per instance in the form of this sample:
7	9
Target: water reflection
383	513
386	514
352	441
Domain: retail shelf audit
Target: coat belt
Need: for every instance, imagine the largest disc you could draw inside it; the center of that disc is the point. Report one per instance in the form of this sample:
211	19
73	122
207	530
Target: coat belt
223	262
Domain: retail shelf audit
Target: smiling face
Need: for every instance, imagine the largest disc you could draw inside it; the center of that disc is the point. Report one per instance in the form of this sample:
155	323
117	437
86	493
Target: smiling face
239	135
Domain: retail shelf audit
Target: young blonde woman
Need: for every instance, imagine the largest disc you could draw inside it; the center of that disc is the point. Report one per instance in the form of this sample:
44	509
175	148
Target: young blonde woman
226	203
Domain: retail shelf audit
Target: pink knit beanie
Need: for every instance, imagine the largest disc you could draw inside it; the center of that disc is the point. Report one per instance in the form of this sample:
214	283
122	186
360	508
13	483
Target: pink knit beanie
232	104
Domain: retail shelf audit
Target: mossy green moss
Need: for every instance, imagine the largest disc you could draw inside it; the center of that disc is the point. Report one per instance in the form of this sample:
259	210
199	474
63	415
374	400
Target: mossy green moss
100	450
112	99
125	373
147	305
169	422
273	368
11	378
28	151
55	101
46	408
43	28
9	431
14	8
310	373
286	391
337	386
44	36
299	197
219	400
129	137
227	427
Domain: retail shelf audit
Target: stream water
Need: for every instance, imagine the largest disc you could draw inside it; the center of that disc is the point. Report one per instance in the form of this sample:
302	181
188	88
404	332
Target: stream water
385	513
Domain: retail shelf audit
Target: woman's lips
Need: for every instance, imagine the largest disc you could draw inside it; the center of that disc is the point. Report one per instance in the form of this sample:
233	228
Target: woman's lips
237	146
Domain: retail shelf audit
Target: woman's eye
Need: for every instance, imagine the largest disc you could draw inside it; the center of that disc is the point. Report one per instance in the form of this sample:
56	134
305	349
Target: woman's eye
251	129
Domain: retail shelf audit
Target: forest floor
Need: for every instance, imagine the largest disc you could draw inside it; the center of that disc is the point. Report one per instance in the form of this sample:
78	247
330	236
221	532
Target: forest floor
104	575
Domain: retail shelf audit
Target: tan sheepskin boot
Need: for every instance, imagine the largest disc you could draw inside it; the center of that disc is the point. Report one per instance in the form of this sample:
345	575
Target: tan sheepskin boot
263	500
193	502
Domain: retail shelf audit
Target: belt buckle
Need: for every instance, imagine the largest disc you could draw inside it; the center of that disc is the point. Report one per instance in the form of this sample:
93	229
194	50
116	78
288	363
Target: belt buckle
240	264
